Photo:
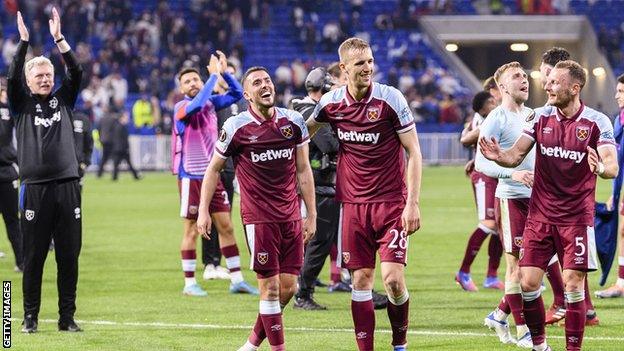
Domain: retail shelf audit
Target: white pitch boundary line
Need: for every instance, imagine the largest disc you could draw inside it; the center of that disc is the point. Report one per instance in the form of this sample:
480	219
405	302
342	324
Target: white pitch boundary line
305	329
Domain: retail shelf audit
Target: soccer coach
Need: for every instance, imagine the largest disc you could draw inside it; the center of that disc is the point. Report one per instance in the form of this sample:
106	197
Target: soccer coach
50	193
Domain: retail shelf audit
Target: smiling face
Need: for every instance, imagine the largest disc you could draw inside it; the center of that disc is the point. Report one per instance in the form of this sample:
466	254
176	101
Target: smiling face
259	89
40	79
358	65
514	83
190	84
561	88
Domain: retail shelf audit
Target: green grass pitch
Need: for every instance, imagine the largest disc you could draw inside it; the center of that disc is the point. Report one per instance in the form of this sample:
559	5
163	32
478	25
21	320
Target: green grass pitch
129	291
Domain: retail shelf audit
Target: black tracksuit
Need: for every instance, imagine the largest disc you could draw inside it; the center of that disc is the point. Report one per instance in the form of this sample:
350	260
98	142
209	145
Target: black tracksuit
8	183
121	149
50	202
83	141
323	153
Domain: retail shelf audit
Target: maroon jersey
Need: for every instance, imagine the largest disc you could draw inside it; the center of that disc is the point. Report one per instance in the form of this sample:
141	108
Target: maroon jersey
264	153
564	187
371	161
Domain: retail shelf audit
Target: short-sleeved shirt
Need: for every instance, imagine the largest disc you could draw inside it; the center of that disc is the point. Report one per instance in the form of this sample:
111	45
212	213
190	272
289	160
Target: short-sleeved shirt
264	154
564	187
371	161
506	127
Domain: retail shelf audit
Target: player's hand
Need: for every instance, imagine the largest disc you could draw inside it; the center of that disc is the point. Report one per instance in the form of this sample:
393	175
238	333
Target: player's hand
592	159
469	167
490	148
410	219
524	177
204	223
309	228
55	24
222	61
21	27
213	65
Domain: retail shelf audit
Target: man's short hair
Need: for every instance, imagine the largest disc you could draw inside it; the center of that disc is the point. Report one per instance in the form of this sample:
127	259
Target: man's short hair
489	83
37	61
352	44
480	99
575	71
186	70
499	72
334	70
251	70
620	79
555	55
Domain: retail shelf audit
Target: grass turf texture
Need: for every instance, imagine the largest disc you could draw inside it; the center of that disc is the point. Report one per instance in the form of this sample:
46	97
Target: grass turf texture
130	275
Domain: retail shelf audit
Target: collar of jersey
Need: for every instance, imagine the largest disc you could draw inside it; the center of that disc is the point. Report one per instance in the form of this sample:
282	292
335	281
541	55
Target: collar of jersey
260	119
365	99
561	117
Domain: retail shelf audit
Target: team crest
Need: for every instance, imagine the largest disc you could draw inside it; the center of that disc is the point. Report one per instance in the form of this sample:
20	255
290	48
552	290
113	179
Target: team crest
372	114
287	131
582	133
53	102
263	257
222	135
193	210
489	212
518	241
30	214
346	257
531	116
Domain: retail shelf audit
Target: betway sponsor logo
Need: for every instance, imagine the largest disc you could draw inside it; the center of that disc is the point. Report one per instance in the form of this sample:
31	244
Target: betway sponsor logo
559	152
372	138
47	122
270	155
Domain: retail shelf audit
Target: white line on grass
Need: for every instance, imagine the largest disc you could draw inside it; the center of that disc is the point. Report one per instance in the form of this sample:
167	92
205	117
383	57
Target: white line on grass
306	329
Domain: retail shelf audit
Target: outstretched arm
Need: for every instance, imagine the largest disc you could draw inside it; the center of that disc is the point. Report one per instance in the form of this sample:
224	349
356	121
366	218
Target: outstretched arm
15	86
203	95
506	158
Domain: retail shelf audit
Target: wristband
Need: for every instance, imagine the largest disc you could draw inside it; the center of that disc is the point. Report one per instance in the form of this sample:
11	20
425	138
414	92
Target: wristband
59	39
601	168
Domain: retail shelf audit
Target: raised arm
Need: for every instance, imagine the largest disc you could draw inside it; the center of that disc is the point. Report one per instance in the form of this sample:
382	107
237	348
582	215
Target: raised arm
71	83
15	85
235	90
306	184
511	157
411	214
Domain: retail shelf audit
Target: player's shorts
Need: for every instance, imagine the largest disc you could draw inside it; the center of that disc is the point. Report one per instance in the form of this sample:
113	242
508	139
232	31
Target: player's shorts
484	189
574	244
511	216
190	193
366	228
275	247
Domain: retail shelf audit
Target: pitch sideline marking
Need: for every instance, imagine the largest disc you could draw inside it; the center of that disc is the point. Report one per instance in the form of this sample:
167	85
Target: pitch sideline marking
306	329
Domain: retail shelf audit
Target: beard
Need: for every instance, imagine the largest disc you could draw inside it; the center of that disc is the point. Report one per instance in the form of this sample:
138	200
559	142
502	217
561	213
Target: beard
562	100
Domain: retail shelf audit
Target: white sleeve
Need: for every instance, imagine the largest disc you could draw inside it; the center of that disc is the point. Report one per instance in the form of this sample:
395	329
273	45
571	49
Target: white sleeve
490	128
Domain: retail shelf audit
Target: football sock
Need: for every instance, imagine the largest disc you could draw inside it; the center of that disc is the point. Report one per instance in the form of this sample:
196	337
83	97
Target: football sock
472	249
398	313
232	262
535	316
271	316
188	267
575	320
503	310
553	272
363	313
513	295
495	252
257	334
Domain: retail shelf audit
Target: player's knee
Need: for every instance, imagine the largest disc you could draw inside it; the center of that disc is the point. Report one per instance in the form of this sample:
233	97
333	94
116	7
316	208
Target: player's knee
394	284
573	280
530	284
271	290
489	224
363	279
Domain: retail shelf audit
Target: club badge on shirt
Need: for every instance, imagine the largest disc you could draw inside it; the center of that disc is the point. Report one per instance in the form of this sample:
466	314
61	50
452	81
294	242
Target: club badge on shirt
582	133
287	131
372	113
